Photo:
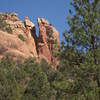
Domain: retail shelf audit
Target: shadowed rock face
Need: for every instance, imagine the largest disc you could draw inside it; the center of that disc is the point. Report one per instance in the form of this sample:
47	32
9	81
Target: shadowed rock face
41	46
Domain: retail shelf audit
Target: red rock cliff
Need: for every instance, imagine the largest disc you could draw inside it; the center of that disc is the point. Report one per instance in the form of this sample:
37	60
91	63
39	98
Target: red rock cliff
41	46
46	41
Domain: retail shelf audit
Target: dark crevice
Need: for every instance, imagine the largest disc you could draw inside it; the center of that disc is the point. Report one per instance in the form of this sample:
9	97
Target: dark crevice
33	33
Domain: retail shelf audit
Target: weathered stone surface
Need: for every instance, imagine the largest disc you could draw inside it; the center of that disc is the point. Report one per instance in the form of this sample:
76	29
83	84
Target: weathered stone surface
31	35
28	22
9	43
41	46
48	37
9	16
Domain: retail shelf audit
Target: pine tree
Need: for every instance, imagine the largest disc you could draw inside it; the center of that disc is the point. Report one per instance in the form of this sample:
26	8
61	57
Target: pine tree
80	53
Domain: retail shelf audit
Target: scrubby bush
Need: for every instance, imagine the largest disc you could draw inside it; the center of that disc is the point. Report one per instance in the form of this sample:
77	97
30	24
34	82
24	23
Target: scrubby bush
24	81
21	37
2	24
8	29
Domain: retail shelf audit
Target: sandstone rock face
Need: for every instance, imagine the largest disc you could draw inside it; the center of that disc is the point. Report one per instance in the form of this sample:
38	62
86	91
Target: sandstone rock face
23	41
11	45
28	22
31	33
48	37
11	41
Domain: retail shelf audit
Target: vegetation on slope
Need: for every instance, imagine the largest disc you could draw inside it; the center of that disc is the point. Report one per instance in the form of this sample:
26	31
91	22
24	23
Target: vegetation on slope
78	74
3	25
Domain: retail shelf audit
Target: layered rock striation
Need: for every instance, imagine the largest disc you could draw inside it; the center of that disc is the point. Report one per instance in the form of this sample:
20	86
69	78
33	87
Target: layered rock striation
19	40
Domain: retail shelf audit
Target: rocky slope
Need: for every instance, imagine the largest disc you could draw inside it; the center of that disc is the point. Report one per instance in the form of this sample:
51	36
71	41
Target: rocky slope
18	39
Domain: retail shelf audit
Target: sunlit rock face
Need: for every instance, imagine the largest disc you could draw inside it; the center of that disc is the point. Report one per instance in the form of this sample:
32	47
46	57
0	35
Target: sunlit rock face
31	35
19	43
23	42
48	36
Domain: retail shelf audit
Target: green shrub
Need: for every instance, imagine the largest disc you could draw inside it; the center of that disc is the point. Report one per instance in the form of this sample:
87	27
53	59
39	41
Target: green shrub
2	24
21	37
8	29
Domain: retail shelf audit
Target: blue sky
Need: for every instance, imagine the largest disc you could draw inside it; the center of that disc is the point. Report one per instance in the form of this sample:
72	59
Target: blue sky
55	11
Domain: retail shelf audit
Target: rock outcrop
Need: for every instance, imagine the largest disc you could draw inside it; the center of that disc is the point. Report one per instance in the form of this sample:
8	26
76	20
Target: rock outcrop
48	37
22	42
